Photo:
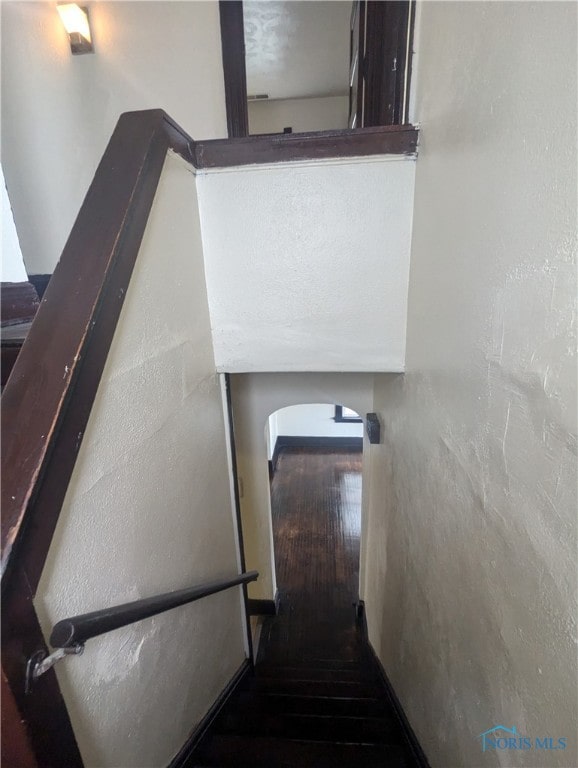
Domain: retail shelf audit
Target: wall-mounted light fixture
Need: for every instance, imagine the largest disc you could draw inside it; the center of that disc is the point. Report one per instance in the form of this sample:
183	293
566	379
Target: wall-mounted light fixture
75	20
373	427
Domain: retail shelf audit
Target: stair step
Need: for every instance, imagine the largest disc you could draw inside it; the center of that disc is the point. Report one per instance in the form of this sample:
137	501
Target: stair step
310	673
311	705
312	663
337	689
285	753
353	730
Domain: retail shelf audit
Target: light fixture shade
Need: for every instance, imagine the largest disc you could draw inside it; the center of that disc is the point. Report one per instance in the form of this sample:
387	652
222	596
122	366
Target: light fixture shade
76	23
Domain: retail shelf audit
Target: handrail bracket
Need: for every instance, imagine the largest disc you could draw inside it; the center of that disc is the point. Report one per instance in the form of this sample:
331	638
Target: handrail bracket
40	662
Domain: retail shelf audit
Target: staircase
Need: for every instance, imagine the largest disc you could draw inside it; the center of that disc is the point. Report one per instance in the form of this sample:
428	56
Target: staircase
316	696
322	713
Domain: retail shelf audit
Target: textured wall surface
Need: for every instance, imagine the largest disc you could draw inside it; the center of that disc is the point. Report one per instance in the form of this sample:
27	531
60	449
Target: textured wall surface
59	110
255	397
307	264
471	544
300	114
148	510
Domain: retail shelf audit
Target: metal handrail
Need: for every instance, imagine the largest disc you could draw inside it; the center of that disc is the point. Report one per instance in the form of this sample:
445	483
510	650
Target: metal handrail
75	631
69	635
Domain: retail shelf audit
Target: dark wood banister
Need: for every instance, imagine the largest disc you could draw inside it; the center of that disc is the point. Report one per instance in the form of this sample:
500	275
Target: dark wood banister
97	260
78	629
48	398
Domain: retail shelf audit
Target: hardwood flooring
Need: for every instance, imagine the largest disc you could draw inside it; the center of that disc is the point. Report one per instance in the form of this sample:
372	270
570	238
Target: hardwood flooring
316	507
314	698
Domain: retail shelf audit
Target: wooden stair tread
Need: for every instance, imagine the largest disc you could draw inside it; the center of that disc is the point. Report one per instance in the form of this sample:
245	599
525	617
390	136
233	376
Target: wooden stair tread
315	705
328	728
311	673
314	687
266	752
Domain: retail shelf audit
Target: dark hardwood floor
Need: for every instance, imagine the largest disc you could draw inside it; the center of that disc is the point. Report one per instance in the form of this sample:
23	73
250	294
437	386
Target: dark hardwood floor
314	698
316	507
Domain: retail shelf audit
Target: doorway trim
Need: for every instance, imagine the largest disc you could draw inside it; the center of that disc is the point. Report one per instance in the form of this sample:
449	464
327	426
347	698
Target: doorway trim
235	73
386	63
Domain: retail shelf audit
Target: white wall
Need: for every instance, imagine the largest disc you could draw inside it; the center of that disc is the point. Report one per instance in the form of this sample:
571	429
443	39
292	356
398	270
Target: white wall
255	397
307	264
307	420
295	49
314	420
300	114
13	269
59	111
471	543
147	511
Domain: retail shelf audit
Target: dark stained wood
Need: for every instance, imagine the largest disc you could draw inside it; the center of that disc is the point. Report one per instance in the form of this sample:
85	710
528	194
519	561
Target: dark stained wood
315	699
234	70
316	508
15	742
43	721
328	443
262	607
107	234
385	61
270	752
274	148
19	303
48	398
415	748
10	352
200	730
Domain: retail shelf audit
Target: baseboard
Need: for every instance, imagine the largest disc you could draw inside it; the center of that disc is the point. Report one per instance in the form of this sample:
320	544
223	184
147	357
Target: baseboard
263	607
184	754
413	744
332	443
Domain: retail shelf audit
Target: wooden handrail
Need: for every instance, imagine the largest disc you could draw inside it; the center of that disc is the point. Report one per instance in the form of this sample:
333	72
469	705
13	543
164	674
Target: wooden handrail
48	398
78	629
93	273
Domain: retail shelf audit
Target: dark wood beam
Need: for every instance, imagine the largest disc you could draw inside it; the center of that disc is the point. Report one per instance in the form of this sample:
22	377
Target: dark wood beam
276	148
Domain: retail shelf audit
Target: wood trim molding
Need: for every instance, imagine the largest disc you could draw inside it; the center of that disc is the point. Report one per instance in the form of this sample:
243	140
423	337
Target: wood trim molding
413	744
234	69
286	147
186	751
331	443
259	607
